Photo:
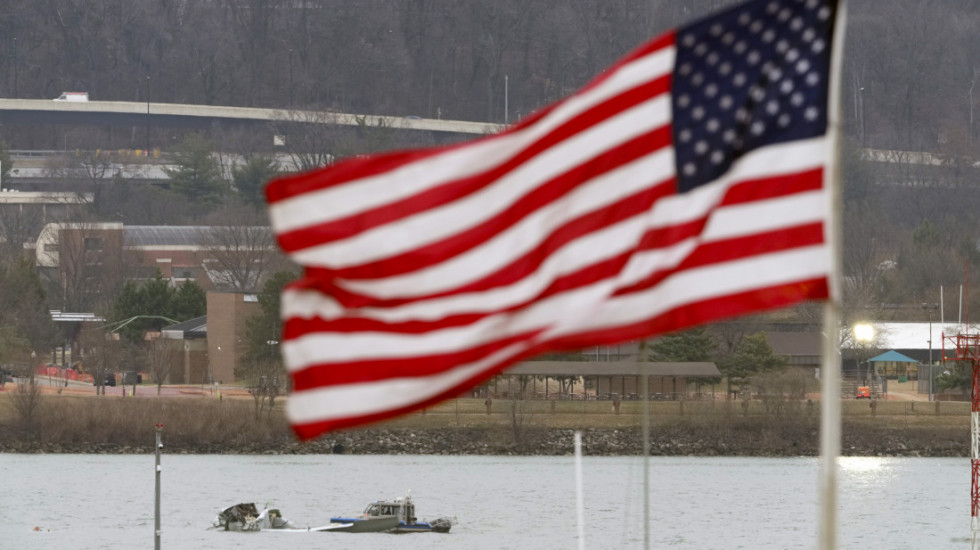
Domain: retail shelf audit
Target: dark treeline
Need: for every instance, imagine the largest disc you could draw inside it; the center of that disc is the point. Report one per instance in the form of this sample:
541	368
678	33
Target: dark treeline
909	84
910	70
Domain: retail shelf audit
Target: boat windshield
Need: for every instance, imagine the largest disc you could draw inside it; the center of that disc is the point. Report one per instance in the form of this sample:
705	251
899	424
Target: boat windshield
385	509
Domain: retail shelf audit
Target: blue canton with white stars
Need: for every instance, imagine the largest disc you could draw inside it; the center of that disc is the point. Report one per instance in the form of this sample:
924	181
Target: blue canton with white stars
754	75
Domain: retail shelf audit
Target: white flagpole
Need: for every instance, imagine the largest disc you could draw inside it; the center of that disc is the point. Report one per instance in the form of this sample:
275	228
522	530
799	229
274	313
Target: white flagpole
645	423
579	497
830	416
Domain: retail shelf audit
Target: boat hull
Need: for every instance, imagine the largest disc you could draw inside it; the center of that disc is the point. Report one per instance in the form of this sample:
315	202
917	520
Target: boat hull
366	525
423	527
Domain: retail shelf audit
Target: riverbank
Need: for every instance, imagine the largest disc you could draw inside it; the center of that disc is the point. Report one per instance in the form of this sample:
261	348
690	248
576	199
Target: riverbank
745	439
67	424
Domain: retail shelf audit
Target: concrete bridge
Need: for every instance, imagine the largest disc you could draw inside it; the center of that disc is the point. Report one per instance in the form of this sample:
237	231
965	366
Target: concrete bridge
129	113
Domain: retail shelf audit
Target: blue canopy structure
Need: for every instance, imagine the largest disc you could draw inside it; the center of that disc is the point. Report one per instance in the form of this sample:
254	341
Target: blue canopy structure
894	364
892	357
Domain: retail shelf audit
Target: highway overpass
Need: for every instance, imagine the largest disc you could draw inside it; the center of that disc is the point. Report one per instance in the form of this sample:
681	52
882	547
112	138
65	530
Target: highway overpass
130	113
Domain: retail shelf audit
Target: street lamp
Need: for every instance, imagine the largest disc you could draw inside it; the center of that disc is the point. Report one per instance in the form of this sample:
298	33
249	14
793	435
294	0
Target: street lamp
930	307
290	77
148	116
864	334
15	66
861	106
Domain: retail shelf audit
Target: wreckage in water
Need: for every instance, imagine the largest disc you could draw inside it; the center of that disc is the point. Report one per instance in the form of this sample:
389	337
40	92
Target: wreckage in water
247	517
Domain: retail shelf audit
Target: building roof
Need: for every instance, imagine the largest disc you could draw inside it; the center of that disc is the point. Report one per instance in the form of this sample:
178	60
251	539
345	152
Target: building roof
795	343
892	357
611	368
65	317
163	235
916	335
10	196
177	236
187	330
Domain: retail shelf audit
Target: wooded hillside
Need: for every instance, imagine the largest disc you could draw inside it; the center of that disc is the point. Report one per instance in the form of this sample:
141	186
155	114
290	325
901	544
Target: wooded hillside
910	84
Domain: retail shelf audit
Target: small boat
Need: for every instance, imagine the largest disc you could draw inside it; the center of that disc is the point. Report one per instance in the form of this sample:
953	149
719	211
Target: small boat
403	509
246	517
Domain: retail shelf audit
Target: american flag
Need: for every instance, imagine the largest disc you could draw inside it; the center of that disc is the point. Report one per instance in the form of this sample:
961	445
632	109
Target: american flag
682	186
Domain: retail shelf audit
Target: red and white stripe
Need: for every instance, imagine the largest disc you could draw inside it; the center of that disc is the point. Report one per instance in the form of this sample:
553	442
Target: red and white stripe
429	271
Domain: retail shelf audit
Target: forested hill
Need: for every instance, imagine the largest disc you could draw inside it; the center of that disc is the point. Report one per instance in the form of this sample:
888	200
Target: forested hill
910	71
910	83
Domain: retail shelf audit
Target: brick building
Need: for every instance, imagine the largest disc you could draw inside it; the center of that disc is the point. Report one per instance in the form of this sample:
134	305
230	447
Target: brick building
216	258
207	349
227	314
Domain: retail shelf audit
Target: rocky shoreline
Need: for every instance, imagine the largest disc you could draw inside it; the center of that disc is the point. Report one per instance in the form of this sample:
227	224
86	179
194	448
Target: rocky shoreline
733	440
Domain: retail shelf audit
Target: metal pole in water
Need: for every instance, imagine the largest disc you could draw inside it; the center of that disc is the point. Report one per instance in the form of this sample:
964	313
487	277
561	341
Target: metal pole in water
156	512
579	497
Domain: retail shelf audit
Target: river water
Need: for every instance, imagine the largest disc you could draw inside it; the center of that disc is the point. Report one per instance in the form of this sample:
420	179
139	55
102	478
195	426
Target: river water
107	501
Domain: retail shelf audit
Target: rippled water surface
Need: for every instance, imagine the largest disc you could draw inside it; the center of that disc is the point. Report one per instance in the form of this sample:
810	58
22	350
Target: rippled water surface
106	501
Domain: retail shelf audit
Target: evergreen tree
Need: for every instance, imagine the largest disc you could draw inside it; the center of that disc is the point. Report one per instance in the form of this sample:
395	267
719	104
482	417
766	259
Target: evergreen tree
142	306
958	375
6	164
752	356
266	327
694	345
691	345
198	174
188	301
251	178
25	323
262	366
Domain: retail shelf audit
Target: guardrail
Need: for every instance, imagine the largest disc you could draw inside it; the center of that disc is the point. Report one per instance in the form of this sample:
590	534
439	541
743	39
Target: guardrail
27	153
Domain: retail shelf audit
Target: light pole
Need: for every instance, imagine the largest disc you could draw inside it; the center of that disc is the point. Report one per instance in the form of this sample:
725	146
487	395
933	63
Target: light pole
863	127
864	335
148	116
930	308
506	101
290	77
15	66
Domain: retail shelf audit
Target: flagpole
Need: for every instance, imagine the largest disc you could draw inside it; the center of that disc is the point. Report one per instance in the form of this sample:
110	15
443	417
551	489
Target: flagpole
579	497
641	362
830	431
830	407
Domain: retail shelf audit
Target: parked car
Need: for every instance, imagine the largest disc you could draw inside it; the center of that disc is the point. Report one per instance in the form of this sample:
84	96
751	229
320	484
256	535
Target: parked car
864	392
110	379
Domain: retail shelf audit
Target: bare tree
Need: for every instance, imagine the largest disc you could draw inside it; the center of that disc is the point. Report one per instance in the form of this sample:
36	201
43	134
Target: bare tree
88	264
265	378
18	226
161	355
27	401
102	352
309	137
239	252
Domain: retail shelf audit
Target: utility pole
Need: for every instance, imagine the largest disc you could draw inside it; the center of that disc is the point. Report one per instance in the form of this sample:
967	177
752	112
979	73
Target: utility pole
156	512
147	116
15	66
506	101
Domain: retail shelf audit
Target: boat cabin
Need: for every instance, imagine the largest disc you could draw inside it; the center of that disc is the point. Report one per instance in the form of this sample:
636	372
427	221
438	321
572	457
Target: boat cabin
403	508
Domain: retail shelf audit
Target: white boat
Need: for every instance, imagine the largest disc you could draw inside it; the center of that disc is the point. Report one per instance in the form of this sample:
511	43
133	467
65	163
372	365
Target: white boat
403	509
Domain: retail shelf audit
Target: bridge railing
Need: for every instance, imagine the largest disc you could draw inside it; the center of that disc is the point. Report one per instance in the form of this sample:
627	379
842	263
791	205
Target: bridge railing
31	153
